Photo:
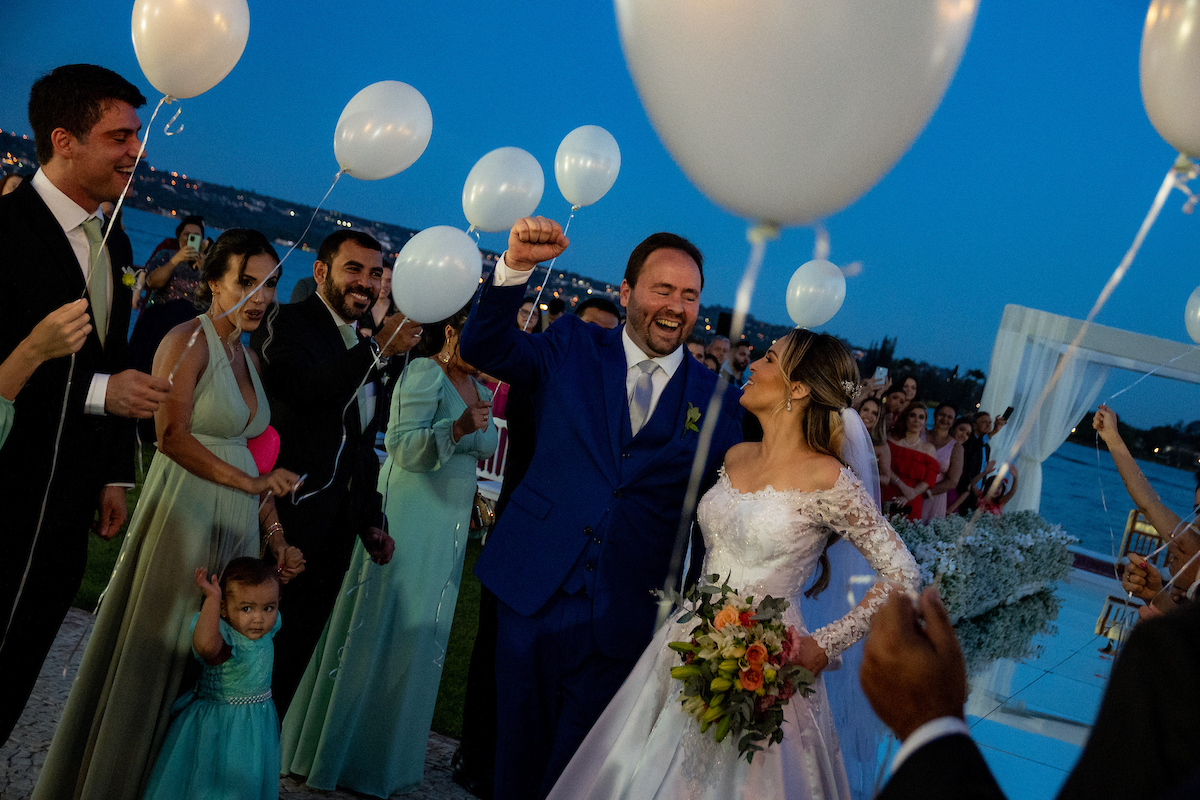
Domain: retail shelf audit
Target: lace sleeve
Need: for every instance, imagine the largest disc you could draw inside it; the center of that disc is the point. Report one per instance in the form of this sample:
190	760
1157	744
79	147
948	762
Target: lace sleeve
851	513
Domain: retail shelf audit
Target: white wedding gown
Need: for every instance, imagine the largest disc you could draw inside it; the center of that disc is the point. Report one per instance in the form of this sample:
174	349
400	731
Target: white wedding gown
768	542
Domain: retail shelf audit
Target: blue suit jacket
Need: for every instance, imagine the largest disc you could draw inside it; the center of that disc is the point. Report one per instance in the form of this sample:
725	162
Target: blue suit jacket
597	508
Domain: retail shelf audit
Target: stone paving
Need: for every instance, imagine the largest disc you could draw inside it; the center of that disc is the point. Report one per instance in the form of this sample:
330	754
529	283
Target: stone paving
22	755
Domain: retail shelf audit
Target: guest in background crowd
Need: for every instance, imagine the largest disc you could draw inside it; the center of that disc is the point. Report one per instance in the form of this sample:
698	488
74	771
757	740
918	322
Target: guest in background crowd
361	715
316	372
734	369
601	311
10	182
711	362
381	309
871	413
555	308
873	388
949	455
908	384
718	348
304	288
976	452
695	346
528	316
914	467
893	403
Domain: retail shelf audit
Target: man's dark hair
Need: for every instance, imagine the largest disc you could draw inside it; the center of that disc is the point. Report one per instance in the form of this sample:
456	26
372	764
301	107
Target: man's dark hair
741	343
333	242
556	306
74	98
190	219
659	241
695	339
602	303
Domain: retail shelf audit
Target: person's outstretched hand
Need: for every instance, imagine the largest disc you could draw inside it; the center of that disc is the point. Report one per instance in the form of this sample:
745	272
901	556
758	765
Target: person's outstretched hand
379	545
912	667
533	240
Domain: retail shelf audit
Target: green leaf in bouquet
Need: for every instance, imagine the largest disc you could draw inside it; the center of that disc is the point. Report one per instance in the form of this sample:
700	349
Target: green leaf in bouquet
723	728
710	589
683	647
688	617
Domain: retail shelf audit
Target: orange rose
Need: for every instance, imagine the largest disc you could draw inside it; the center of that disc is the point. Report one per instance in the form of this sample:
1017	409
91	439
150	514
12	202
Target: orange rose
745	620
726	616
756	654
752	679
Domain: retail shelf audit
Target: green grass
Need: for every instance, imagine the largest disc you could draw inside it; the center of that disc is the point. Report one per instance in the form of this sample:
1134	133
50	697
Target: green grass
447	715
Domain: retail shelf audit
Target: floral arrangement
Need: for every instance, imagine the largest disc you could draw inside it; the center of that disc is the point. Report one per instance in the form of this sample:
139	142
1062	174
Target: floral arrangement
740	665
991	561
1007	631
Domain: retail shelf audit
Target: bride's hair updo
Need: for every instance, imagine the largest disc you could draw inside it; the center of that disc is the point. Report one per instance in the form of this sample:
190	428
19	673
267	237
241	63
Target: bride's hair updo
825	366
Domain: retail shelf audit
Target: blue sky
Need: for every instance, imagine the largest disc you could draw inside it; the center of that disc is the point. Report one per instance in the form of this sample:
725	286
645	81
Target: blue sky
1026	187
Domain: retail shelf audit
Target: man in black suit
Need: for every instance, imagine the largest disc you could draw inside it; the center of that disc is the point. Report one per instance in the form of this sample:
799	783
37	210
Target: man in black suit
68	454
1144	743
313	363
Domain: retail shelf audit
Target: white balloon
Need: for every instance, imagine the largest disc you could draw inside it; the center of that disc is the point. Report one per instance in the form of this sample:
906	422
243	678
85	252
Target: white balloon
815	293
436	274
1191	316
786	111
586	164
503	186
186	47
382	131
1170	72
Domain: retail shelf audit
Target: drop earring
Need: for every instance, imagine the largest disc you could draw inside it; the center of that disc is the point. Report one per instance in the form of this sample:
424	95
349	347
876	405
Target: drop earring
789	404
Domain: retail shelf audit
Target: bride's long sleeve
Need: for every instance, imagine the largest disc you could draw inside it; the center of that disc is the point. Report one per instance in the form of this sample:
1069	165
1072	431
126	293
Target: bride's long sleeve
853	516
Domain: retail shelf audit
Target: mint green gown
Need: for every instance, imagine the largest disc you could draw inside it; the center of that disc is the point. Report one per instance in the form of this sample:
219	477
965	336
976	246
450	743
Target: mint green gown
6	418
224	743
132	671
360	718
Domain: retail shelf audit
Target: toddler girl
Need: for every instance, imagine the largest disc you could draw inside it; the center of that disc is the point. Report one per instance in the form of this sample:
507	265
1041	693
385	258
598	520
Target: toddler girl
225	740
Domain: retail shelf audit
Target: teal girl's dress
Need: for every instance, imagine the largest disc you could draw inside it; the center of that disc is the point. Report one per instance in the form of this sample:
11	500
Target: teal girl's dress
361	716
225	741
6	418
133	669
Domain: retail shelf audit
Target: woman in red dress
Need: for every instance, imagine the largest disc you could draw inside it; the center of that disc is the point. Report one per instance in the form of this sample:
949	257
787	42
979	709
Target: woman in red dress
914	466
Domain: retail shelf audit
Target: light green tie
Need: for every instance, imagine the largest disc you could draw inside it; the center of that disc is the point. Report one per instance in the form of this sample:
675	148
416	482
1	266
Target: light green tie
98	268
350	337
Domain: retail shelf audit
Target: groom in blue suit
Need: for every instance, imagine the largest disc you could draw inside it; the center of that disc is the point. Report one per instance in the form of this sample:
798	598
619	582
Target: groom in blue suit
590	531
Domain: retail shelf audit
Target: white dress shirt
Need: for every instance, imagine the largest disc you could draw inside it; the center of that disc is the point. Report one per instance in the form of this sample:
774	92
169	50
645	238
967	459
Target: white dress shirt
369	387
70	217
503	276
934	729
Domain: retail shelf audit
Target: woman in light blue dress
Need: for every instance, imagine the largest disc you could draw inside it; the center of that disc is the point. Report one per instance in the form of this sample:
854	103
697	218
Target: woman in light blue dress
361	716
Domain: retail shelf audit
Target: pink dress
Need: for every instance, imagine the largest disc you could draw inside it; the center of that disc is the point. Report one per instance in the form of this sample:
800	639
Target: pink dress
935	506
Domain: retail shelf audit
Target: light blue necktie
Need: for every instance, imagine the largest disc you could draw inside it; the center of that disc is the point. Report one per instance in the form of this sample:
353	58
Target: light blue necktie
643	390
350	337
98	268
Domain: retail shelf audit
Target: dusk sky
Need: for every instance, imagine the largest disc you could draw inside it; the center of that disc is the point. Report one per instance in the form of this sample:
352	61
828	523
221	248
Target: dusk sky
1026	187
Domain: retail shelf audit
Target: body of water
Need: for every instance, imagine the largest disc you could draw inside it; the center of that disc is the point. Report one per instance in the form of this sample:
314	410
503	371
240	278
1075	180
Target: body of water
1071	484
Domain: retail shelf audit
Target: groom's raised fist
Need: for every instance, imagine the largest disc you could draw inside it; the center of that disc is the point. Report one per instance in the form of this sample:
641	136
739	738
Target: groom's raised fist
533	240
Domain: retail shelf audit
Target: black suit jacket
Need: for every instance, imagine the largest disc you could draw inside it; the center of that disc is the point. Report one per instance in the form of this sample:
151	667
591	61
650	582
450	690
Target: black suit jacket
1145	742
310	377
39	273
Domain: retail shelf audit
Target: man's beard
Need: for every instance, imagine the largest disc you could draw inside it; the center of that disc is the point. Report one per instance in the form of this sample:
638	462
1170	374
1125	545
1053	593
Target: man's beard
337	300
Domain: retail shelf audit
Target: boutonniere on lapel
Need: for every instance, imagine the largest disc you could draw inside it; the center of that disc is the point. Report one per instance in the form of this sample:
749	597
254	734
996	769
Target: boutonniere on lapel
689	422
129	276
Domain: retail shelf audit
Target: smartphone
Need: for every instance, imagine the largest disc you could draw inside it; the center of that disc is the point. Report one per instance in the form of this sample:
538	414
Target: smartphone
880	373
193	241
1007	413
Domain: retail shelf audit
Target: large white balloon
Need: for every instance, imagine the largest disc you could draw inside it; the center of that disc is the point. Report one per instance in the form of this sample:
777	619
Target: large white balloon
786	111
383	130
185	47
436	273
586	165
1191	316
503	186
815	293
1170	72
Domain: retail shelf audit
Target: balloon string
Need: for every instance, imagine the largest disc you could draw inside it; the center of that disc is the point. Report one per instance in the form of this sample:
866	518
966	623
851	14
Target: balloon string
440	660
758	236
1187	352
1180	172
167	128
62	416
821	245
546	279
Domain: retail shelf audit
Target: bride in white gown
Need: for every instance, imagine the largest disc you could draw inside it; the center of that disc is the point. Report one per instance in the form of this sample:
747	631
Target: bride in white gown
766	524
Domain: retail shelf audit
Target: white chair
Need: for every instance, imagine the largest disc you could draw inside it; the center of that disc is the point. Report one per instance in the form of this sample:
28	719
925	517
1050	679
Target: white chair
490	471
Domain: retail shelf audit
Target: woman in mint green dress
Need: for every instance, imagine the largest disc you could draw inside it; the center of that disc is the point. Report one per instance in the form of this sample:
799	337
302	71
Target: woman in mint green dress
199	507
361	716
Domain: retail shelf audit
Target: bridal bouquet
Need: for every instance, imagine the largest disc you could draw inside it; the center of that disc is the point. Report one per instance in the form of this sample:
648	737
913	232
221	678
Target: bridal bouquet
740	666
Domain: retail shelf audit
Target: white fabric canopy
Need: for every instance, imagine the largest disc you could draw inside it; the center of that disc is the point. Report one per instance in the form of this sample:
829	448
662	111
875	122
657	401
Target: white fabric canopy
1029	346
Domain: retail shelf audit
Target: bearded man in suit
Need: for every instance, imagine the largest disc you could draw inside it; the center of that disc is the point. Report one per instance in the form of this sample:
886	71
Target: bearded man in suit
70	453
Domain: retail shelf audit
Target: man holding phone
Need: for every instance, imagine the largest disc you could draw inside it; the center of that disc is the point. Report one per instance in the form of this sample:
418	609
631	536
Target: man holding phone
977	451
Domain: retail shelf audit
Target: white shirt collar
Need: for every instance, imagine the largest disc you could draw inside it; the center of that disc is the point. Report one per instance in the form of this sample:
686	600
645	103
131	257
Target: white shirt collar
634	355
69	214
337	318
